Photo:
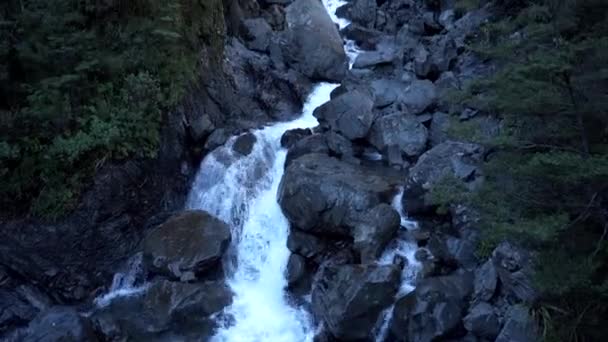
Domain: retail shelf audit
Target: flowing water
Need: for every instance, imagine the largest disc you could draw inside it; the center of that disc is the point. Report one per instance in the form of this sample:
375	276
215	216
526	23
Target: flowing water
242	191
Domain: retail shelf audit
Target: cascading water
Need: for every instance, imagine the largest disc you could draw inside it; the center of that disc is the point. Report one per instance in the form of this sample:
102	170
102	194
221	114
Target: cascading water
242	191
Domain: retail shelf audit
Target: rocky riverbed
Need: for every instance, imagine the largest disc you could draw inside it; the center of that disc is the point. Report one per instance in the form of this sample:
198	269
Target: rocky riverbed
383	130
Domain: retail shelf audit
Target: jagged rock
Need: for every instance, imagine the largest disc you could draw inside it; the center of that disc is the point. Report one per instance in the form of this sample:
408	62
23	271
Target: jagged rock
292	136
457	159
244	144
365	38
519	326
468	25
514	269
443	54
59	324
386	91
446	19
404	131
314	46
482	321
433	310
385	52
323	195
164	309
257	34
419	95
350	114
199	125
363	12
440	127
275	16
462	249
316	143
189	243
349	298
14	311
306	245
373	234
338	145
422	61
296	267
216	139
486	281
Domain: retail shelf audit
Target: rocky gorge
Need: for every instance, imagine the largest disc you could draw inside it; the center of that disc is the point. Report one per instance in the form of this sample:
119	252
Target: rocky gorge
170	249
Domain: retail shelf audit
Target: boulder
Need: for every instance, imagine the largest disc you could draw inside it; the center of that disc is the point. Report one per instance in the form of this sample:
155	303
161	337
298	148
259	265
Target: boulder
316	143
514	268
443	54
433	310
292	136
243	145
419	96
349	114
164	308
14	311
323	195
363	12
401	130
422	61
307	245
296	268
365	38
188	244
385	52
386	91
440	127
257	34
486	281
519	326
482	321
59	324
373	234
450	158
348	299
314	46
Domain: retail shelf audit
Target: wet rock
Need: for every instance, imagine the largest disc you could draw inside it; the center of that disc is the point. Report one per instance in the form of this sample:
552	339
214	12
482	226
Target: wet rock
323	195
199	125
404	131
189	243
257	34
433	310
316	143
164	309
486	281
349	298
373	234
244	144
349	114
217	139
514	269
306	245
419	96
59	324
314	46
296	267
365	38
519	326
482	321
292	136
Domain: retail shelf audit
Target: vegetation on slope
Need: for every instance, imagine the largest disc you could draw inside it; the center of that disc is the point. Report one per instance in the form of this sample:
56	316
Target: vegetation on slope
547	175
84	82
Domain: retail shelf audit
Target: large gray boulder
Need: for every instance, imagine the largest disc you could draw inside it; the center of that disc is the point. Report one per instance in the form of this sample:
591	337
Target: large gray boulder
433	310
323	195
385	52
486	281
418	96
482	321
257	33
349	298
313	44
350	114
515	270
187	245
519	326
404	131
448	159
166	309
375	231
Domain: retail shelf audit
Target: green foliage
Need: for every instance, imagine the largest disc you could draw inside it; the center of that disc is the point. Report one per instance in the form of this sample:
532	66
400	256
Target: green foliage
83	82
546	180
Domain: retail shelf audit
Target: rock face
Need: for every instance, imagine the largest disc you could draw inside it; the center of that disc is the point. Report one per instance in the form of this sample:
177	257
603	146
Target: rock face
404	131
187	245
373	233
519	327
172	310
482	321
323	195
59	324
514	269
350	114
433	310
314	46
349	298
